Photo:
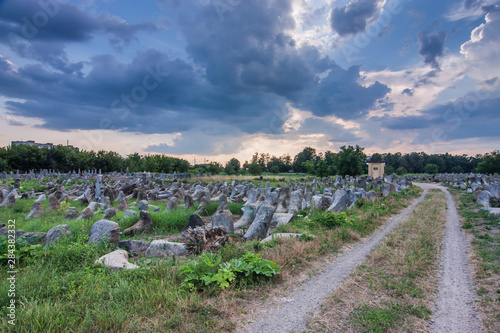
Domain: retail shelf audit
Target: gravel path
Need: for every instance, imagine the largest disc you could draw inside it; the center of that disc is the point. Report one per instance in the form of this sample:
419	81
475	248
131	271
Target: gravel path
455	305
290	313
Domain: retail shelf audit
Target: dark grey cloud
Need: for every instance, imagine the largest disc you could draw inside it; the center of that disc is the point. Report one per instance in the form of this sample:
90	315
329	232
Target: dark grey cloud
354	17
12	121
431	46
491	8
122	33
340	94
491	82
113	91
52	54
238	71
465	118
249	50
408	92
46	20
49	25
54	20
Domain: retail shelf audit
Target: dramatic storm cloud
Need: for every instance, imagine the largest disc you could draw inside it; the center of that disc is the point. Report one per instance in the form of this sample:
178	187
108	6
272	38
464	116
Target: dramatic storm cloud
431	46
355	16
222	77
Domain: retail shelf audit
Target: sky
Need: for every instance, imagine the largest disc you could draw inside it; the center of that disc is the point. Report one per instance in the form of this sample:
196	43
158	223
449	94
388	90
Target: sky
208	80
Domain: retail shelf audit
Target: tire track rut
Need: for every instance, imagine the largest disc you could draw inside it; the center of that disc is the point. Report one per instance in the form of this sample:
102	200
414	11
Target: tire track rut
455	306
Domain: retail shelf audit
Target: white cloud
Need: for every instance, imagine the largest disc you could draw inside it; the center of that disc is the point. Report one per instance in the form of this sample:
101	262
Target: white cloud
468	9
425	83
482	51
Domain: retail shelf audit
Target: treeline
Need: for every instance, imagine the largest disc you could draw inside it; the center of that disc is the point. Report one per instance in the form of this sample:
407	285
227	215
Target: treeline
351	160
65	159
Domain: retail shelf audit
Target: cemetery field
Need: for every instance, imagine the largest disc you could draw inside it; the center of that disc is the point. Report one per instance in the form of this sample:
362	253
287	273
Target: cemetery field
61	288
273	179
483	232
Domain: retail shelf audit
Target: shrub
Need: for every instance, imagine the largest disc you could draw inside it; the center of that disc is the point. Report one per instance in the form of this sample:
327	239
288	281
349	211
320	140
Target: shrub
302	212
401	171
23	250
330	220
431	168
255	169
64	205
72	253
389	170
208	271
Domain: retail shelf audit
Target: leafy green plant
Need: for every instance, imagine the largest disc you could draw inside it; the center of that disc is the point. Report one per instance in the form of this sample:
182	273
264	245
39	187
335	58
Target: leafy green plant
70	253
306	238
208	271
467	225
23	250
64	205
330	220
302	212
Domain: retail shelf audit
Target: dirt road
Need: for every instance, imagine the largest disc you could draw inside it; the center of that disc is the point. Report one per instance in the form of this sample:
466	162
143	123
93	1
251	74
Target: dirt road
455	308
289	314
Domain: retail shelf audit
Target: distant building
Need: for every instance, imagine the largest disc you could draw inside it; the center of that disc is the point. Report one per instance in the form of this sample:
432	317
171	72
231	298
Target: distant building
32	143
48	145
376	169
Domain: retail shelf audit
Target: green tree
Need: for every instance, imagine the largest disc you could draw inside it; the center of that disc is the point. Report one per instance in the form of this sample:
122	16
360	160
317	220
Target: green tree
214	168
24	158
255	158
264	160
4	165
389	170
376	158
305	155
274	169
350	161
321	169
255	169
431	168
490	163
286	161
133	162
275	162
401	171
435	159
232	166
457	169
308	166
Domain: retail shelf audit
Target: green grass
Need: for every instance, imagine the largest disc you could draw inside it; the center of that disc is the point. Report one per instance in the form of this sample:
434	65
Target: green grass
165	223
61	289
385	316
362	219
486	245
390	290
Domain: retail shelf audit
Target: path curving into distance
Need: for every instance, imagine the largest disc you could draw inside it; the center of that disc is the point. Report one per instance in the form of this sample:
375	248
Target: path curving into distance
455	310
290	313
